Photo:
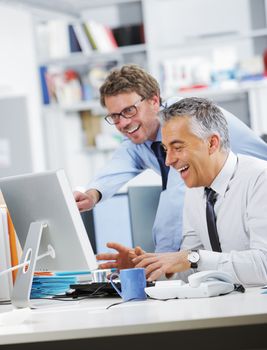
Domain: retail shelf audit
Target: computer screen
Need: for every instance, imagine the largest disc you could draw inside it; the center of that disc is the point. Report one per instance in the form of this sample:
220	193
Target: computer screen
47	198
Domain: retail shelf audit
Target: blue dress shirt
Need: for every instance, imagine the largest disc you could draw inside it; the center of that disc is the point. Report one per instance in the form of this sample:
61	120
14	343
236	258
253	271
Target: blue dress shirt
131	159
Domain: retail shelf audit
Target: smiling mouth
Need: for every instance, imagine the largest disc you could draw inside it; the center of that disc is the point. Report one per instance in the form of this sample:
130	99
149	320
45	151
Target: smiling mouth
182	169
132	130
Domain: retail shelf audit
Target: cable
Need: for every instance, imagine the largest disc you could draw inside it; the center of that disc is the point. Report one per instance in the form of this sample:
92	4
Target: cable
123	302
50	252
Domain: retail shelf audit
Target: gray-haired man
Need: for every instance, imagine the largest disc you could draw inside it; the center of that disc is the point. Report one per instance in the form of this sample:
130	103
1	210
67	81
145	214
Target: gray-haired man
195	136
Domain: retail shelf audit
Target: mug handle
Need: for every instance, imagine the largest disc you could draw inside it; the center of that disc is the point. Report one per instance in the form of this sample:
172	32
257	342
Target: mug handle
112	276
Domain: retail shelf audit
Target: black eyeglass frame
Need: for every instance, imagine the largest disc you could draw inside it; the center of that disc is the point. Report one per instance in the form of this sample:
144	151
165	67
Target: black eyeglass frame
109	117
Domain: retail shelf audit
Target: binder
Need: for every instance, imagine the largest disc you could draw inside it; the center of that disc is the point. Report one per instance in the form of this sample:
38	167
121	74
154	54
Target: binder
13	243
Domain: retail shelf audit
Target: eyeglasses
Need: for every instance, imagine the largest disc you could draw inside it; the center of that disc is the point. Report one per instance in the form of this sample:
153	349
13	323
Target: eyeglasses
127	113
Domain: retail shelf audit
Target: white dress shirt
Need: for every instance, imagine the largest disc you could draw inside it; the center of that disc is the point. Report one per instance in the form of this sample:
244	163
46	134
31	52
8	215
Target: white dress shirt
241	211
132	159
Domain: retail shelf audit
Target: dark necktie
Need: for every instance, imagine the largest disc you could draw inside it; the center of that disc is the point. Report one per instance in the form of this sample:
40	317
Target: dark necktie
161	156
211	219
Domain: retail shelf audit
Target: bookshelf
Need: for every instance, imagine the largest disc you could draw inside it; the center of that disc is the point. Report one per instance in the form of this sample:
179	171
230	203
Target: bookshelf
176	38
217	52
203	43
172	31
69	141
102	38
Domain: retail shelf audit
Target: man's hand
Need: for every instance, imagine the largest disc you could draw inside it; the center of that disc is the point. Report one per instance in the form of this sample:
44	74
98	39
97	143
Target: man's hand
158	264
120	260
86	201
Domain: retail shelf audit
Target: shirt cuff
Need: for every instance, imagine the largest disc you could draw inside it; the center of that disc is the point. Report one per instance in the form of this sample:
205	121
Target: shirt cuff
101	189
100	196
208	260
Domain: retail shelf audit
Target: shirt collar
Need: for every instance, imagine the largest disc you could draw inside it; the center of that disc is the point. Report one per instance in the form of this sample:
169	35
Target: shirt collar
158	138
221	181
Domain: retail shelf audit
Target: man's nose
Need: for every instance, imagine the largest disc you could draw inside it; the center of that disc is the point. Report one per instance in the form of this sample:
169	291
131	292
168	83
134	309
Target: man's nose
124	122
169	158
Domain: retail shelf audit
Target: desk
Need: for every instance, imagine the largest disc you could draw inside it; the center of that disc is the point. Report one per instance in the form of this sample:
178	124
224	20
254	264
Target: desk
234	320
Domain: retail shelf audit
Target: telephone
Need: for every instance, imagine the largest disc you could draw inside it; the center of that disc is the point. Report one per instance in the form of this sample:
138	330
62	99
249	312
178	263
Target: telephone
200	285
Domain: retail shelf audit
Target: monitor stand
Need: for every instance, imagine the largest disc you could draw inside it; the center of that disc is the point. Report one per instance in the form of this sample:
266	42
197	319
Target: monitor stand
23	284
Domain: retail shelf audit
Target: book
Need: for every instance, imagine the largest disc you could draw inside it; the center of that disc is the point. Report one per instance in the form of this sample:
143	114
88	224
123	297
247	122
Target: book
111	37
90	37
73	40
14	245
129	35
44	87
101	36
82	38
58	39
64	86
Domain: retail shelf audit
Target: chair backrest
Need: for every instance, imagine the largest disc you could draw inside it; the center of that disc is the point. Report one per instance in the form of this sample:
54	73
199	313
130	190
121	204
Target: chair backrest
143	204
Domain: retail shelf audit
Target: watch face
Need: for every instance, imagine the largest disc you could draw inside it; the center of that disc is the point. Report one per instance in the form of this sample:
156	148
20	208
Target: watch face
193	257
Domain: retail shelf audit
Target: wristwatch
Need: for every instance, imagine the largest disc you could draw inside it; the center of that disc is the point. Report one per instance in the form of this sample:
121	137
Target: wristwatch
193	258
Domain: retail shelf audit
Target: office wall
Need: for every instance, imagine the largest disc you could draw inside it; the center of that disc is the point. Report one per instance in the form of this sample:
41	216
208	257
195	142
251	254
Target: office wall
15	150
19	74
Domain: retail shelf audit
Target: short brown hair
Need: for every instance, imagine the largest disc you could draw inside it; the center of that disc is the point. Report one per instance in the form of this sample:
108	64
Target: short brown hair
129	78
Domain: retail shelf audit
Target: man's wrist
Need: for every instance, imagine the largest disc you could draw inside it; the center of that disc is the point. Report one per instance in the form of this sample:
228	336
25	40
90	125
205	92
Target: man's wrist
193	258
95	195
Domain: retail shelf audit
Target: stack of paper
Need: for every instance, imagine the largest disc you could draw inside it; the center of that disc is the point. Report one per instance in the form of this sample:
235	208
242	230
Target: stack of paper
54	283
46	286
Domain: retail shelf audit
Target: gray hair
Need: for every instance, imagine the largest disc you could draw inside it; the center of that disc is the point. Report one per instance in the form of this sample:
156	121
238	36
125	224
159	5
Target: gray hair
206	118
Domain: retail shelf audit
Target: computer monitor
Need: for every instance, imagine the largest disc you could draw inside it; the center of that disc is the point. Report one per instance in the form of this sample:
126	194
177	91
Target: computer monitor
45	214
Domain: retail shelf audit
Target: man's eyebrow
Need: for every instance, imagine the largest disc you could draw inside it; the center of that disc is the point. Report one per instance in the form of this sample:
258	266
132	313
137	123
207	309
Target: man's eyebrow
128	106
173	143
117	113
176	141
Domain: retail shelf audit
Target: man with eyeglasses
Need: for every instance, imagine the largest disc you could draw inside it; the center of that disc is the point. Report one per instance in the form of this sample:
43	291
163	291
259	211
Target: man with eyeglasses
132	98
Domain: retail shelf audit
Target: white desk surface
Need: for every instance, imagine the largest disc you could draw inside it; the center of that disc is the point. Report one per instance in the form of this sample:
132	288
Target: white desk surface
90	318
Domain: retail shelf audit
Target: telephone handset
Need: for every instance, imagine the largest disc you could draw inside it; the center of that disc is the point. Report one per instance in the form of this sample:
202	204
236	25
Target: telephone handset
200	285
196	279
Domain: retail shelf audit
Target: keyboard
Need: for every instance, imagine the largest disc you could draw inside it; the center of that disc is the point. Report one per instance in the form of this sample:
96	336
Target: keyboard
97	289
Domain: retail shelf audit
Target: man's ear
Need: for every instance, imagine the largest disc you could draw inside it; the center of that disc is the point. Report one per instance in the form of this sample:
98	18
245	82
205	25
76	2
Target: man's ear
214	143
155	101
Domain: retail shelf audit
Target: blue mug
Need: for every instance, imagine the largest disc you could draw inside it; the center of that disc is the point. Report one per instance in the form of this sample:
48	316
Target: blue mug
133	284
